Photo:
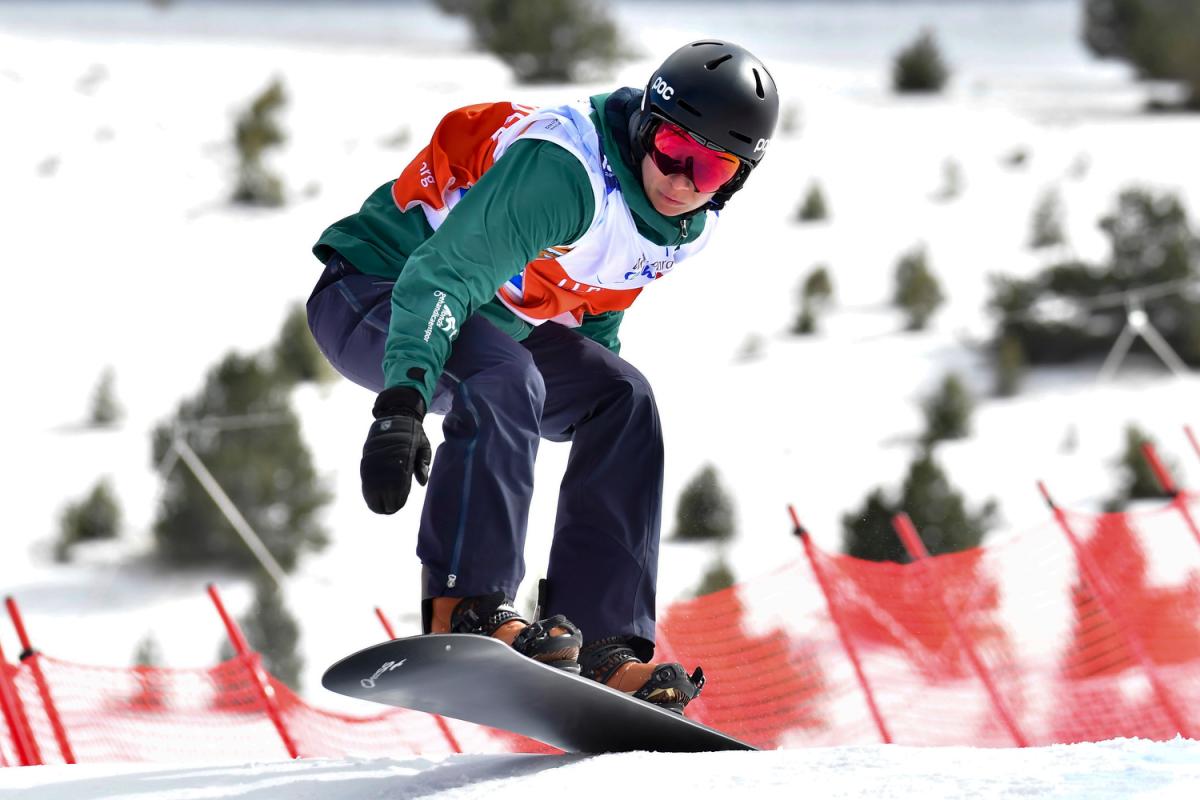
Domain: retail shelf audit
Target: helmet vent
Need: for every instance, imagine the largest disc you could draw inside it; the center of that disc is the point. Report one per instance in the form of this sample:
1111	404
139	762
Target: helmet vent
758	85
701	44
716	62
686	106
741	137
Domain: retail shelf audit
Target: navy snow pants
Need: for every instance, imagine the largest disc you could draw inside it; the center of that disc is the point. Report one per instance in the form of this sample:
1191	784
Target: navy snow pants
500	398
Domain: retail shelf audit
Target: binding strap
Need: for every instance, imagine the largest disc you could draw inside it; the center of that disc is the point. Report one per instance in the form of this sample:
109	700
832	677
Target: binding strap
599	660
483	614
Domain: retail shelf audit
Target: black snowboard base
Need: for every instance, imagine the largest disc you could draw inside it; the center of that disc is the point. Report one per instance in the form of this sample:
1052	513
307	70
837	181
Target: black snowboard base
482	680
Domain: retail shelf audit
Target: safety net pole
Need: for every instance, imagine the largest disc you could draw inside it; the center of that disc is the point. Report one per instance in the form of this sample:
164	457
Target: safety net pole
1179	497
14	716
1093	577
916	549
839	625
258	675
32	658
443	726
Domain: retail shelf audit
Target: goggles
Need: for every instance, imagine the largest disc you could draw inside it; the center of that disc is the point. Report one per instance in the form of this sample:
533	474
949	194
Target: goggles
675	151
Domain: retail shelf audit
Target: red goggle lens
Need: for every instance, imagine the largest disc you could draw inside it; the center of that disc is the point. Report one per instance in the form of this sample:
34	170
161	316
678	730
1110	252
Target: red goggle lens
675	152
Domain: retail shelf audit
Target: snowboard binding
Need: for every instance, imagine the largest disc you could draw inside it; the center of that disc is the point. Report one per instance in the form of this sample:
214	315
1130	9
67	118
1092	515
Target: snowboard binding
554	642
669	686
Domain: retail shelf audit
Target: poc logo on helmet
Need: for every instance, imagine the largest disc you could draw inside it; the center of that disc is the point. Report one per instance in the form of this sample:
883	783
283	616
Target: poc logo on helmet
761	146
662	88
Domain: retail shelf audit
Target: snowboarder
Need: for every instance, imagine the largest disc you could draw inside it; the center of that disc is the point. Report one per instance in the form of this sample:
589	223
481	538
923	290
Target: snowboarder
487	283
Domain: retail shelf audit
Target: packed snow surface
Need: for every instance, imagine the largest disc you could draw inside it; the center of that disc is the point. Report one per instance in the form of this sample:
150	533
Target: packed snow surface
1115	769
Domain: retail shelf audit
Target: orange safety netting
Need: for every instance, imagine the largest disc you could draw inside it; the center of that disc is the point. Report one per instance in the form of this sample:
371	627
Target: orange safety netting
1034	639
1066	661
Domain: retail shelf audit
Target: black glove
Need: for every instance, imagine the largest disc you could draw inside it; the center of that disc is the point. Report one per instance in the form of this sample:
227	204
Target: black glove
395	450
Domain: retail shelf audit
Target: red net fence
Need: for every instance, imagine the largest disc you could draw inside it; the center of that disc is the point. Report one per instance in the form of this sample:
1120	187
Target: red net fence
1085	628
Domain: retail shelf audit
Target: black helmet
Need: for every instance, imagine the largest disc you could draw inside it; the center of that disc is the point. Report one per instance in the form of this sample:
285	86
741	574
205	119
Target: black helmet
721	93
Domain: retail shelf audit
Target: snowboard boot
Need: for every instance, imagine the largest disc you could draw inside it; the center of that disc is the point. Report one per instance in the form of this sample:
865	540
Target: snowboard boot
612	662
554	641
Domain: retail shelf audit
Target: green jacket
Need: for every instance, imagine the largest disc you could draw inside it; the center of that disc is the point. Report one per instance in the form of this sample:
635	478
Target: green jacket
537	195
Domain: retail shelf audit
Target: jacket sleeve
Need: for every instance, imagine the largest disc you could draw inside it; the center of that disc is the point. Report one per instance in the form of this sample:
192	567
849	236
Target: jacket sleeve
536	196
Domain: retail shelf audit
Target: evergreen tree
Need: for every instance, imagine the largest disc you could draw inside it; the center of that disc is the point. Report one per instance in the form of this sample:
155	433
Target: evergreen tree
542	41
96	517
815	295
814	208
1017	158
919	67
805	322
936	508
1047	225
1009	366
296	355
1151	239
148	652
751	349
952	181
705	510
151	694
1137	479
272	631
259	460
718	576
1158	37
105	409
948	411
255	132
1053	314
868	533
818	286
917	290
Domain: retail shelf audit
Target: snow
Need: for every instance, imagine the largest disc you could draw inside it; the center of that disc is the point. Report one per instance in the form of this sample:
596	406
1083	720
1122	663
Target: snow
123	253
1115	769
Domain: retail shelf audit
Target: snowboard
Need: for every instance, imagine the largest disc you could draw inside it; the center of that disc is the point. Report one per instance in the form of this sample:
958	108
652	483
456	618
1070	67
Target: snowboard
483	680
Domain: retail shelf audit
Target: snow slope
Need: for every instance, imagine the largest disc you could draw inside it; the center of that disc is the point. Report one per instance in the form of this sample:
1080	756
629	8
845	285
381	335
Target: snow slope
122	252
1116	769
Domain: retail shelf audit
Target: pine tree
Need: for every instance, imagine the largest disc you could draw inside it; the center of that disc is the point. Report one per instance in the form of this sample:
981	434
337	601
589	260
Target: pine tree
815	295
718	576
948	411
939	511
952	181
256	131
917	290
1047	225
935	507
919	67
705	510
542	41
814	208
96	517
152	689
818	286
148	652
1009	366
1052	314
272	631
105	409
1158	37
1137	479
296	356
868	533
1017	158
259	460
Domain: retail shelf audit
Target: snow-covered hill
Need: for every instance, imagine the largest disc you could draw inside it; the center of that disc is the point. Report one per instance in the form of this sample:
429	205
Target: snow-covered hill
1117	769
121	251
